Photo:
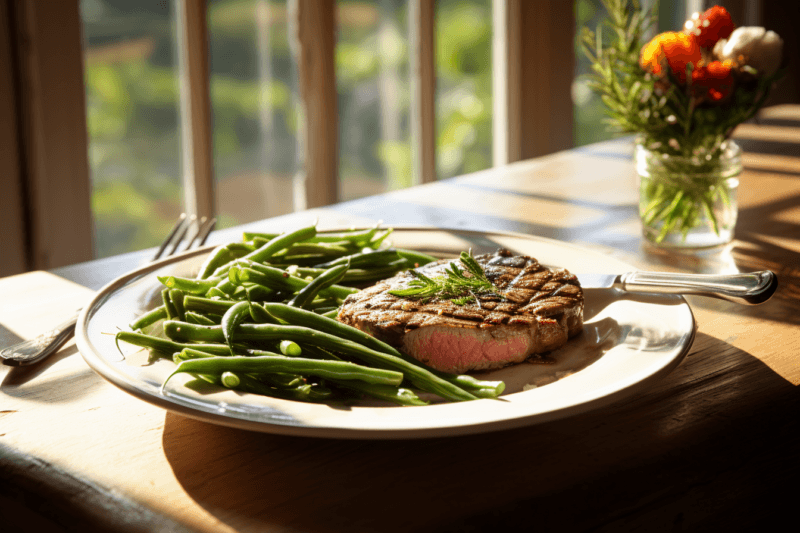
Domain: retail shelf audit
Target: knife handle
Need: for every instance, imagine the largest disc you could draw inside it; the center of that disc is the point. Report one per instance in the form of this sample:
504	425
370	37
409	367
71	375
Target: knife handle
749	288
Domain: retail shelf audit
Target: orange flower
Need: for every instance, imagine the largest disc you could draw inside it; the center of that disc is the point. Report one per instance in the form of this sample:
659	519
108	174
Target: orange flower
674	49
711	26
714	81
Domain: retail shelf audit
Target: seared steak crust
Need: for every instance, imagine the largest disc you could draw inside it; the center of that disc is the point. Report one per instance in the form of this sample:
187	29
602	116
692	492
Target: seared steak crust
538	311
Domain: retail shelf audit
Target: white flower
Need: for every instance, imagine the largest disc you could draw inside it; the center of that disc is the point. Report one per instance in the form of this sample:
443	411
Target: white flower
752	46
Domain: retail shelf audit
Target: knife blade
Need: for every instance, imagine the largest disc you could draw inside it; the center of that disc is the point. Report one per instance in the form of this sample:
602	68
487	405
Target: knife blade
598	281
750	288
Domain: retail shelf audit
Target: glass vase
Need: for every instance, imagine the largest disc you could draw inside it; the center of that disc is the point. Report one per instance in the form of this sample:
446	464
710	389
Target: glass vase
688	202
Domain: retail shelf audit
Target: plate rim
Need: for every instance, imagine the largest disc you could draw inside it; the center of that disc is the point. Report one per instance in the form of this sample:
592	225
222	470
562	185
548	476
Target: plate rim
127	383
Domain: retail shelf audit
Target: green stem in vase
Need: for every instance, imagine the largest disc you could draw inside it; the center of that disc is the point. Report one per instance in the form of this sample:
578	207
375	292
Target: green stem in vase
682	194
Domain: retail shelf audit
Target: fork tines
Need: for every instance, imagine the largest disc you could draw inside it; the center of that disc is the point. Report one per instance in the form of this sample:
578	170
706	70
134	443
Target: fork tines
202	229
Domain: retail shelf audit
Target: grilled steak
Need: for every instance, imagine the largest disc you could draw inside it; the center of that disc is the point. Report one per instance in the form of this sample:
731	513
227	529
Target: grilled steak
536	311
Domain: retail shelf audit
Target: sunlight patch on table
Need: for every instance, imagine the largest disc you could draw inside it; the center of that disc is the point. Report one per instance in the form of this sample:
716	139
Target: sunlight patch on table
760	132
771	162
601	180
508	206
758	189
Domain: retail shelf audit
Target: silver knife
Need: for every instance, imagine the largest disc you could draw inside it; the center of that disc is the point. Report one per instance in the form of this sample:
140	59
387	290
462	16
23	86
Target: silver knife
747	288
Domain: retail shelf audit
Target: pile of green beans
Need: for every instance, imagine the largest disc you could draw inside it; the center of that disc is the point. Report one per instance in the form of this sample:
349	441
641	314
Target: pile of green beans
259	318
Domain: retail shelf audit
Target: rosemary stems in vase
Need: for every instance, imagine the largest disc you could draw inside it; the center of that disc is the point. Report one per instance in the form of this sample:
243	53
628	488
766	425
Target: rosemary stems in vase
682	94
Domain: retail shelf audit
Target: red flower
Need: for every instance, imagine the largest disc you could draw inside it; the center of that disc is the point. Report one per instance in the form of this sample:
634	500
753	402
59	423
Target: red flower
711	26
675	49
714	81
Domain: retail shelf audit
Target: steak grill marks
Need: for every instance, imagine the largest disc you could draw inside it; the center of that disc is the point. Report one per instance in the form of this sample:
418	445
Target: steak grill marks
530	292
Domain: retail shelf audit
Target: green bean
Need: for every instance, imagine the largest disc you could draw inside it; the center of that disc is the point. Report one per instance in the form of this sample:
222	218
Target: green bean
206	305
260	293
230	380
223	255
300	391
277	379
416	259
330	277
271	277
380	258
278	279
176	297
240	249
320	303
352	236
306	248
183	331
377	257
376	242
245	383
361	275
218	256
260	315
281	242
333	313
197	318
421	377
303	391
290	348
398	395
240	292
225	286
301	317
214	292
172	313
375	274
329	325
327	310
232	318
270	248
292	365
167	346
255	235
192	286
149	318
190	353
281	380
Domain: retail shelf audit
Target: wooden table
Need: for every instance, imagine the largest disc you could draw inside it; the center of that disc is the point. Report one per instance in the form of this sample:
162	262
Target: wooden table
713	446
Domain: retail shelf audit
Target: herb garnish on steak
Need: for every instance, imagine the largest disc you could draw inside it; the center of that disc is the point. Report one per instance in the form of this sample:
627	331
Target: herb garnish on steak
454	284
539	310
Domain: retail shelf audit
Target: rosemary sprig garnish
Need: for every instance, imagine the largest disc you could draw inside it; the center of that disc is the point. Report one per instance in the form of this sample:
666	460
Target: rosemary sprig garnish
454	285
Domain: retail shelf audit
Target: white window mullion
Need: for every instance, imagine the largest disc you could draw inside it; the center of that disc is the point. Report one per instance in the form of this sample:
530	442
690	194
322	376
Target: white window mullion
422	59
315	42
195	108
506	90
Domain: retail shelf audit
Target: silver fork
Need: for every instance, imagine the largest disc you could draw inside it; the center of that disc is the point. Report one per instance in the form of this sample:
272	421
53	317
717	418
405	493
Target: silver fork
39	348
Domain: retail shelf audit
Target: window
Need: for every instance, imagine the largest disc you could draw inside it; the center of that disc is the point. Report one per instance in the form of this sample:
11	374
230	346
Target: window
284	103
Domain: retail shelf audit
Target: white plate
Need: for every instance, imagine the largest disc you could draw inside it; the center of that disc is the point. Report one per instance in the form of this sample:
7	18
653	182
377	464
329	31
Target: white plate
627	343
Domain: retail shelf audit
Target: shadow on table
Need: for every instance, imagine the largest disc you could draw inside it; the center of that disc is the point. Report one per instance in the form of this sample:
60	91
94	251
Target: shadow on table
754	249
705	449
34	383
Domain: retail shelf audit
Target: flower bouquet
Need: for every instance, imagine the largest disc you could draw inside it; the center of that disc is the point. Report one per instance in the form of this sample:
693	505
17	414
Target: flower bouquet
682	94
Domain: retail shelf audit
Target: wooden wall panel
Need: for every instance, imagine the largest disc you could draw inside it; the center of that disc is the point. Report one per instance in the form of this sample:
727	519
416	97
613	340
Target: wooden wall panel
13	253
547	68
48	47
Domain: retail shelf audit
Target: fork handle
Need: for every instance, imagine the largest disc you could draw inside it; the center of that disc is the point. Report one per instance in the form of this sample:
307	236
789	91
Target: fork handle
34	350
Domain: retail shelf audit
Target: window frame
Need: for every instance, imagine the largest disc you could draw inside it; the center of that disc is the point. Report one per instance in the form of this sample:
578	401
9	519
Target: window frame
532	110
